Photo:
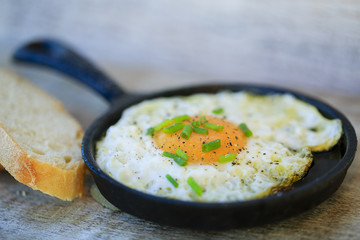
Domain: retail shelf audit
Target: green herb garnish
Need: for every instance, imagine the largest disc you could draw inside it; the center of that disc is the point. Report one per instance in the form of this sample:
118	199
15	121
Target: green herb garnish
218	111
207	147
150	131
186	132
181	154
181	118
246	130
173	181
213	126
173	128
200	130
169	154
163	124
197	189
195	124
179	160
227	158
203	120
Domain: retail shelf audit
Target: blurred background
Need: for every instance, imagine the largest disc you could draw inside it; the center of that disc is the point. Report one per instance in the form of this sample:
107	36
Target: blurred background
154	45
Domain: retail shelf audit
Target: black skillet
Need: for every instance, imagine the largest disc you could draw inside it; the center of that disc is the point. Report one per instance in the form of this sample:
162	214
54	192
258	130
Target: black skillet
324	178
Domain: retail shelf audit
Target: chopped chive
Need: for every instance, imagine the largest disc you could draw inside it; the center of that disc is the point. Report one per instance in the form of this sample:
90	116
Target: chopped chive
181	154
218	111
195	124
203	120
186	132
181	118
246	130
179	160
211	145
173	181
197	189
182	162
163	124
173	128
200	130
227	158
213	126
169	154
150	131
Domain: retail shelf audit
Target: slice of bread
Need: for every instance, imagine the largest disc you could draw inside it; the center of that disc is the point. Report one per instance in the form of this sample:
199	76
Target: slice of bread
39	140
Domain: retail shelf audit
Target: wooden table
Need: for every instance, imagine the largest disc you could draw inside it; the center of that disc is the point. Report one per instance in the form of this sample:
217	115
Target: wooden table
311	47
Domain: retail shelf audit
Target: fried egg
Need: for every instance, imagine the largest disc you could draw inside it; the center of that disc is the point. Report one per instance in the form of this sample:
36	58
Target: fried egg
284	130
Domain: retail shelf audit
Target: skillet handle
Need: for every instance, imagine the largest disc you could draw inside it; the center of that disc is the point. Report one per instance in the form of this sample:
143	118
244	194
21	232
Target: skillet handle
58	56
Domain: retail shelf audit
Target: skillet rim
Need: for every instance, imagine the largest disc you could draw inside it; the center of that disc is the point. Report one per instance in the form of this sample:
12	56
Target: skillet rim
118	106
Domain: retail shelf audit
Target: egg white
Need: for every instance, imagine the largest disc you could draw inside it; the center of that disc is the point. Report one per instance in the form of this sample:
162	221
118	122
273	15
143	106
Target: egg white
285	130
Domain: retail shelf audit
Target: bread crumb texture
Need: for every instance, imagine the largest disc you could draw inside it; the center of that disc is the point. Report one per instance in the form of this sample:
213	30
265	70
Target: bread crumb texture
39	140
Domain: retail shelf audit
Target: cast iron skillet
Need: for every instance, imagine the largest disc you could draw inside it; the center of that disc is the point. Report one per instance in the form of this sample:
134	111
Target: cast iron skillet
324	178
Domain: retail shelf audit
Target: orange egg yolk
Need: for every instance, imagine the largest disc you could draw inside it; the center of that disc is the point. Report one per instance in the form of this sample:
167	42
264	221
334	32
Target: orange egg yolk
231	137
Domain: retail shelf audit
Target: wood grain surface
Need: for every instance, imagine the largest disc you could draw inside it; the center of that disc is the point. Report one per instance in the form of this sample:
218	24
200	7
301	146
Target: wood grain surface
309	46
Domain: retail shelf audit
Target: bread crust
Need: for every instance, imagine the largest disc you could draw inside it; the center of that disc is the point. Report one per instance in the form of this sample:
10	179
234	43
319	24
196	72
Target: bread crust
28	150
64	184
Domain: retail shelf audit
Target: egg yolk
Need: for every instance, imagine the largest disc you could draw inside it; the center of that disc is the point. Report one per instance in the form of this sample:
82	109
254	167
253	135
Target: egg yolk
231	137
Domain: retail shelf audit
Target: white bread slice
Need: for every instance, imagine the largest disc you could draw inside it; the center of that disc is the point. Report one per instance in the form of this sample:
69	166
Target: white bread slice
39	140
